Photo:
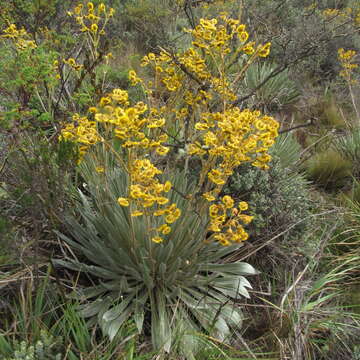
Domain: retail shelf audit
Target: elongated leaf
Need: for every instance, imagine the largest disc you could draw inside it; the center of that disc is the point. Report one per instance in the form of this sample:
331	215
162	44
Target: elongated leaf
95	270
161	331
117	310
313	304
87	293
239	268
111	328
93	308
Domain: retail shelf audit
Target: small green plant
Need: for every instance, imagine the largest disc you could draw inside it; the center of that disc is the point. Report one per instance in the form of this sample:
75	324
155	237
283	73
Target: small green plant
330	112
348	145
47	348
329	169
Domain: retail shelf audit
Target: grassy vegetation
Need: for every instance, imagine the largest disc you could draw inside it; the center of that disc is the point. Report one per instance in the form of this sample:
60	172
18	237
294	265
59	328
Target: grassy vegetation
82	278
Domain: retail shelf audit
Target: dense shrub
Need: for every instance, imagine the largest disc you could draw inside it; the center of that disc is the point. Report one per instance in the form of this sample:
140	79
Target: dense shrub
279	199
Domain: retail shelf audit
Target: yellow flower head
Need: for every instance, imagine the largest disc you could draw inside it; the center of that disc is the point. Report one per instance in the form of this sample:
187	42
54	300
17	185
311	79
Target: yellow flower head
243	36
213	210
94	28
243	205
157	239
137	213
90	6
167	186
208	196
228	201
265	50
123	201
71	62
77	9
164	229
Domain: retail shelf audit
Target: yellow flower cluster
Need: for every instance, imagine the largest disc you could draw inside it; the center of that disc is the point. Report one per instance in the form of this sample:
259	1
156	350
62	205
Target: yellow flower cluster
134	79
138	128
351	14
73	64
194	61
234	136
165	68
20	37
222	140
214	37
134	125
227	221
147	194
194	89
226	140
331	13
201	97
92	19
346	59
210	38
81	131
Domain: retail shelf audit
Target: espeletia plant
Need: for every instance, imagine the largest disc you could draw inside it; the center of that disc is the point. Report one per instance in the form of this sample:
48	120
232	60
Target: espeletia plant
155	244
173	289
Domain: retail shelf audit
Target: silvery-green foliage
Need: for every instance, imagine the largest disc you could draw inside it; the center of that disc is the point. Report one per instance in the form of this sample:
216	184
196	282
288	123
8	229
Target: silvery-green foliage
348	145
173	289
286	150
276	92
278	199
47	348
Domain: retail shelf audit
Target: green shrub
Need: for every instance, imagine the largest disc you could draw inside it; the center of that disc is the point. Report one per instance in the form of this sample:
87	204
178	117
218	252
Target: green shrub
311	56
39	91
279	199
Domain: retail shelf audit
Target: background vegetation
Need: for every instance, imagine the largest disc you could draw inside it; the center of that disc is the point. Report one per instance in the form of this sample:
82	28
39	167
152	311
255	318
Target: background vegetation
73	287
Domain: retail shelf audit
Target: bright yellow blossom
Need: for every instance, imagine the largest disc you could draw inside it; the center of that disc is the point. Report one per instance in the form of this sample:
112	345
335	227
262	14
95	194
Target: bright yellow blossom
123	201
157	239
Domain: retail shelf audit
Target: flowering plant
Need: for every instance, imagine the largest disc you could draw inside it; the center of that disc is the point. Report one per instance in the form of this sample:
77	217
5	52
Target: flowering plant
189	108
152	232
174	289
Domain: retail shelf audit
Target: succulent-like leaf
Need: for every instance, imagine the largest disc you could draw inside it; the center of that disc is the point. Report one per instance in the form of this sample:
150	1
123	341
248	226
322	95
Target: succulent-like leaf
237	268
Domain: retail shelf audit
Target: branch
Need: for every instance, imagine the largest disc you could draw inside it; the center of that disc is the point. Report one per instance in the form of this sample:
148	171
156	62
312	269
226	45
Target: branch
308	123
